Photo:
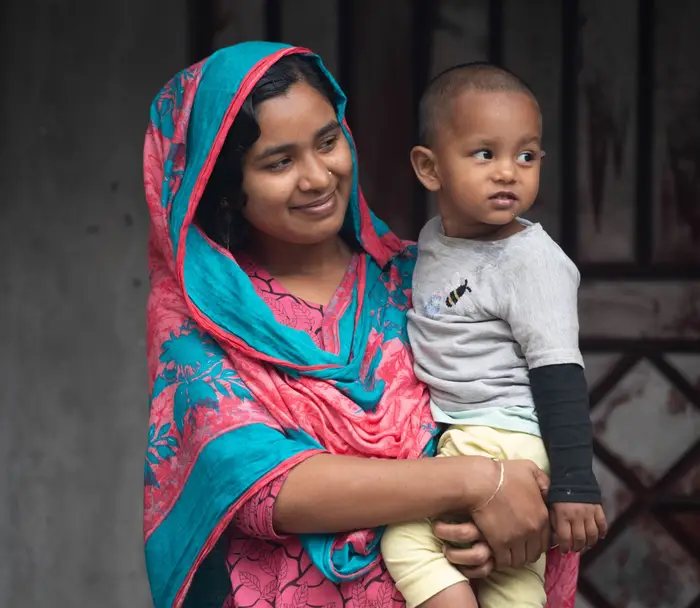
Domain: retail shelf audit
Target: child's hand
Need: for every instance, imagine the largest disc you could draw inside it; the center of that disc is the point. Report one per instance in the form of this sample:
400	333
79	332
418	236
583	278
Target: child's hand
577	526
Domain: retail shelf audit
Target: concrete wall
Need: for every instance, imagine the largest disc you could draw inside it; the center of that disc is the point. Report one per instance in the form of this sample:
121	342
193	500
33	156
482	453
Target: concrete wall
78	80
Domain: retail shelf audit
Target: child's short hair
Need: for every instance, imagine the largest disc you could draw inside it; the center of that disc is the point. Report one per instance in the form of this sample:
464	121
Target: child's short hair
446	86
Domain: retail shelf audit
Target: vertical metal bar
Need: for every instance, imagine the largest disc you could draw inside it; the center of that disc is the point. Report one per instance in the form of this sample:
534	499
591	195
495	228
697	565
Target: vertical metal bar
644	195
495	32
569	127
346	33
424	12
273	20
202	28
592	594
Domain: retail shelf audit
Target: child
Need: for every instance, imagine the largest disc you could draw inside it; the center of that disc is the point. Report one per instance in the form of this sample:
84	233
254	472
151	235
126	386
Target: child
494	329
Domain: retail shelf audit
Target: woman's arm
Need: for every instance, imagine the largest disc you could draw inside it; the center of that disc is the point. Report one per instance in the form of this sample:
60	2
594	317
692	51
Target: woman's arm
329	493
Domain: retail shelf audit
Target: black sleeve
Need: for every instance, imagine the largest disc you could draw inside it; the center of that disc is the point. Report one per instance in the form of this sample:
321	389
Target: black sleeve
560	393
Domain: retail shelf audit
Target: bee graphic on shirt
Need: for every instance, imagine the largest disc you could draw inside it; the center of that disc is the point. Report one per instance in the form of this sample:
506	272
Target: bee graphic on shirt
456	294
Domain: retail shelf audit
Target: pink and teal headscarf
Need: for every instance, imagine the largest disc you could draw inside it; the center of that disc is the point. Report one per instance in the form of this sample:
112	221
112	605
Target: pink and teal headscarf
238	399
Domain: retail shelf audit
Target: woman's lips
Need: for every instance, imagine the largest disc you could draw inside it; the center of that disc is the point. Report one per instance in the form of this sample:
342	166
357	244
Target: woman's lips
320	208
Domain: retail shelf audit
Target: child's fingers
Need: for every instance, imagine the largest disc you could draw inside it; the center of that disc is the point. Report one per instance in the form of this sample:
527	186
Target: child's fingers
592	533
578	533
601	522
562	531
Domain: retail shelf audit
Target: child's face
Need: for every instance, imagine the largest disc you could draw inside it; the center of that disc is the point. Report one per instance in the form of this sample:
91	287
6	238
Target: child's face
487	158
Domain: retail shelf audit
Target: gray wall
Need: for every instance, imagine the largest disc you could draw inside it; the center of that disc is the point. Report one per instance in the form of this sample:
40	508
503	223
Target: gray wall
73	283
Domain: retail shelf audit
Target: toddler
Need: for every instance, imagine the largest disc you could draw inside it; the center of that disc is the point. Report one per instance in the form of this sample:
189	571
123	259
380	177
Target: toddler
494	329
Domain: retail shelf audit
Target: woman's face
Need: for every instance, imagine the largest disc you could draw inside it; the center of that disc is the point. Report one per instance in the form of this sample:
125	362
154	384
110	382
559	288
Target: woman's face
297	178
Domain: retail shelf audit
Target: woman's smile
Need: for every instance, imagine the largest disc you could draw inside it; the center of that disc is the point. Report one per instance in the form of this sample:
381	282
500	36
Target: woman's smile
320	208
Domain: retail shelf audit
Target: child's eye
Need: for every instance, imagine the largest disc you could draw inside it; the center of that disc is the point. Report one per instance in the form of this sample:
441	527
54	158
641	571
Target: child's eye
526	157
483	155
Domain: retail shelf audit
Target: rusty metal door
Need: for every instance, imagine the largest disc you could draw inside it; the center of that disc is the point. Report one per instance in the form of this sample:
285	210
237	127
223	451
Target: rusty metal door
631	220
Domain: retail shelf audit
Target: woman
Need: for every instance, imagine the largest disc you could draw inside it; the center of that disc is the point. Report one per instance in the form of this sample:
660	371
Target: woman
286	423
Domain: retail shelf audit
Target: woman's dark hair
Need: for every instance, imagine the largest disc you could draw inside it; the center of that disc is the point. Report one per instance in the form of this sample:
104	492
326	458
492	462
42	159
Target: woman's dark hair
219	211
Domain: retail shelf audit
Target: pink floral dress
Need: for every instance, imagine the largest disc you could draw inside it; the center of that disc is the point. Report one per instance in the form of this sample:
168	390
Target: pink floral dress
268	569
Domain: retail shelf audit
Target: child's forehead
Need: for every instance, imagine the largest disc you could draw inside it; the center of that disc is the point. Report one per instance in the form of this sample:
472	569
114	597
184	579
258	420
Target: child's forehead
474	99
483	111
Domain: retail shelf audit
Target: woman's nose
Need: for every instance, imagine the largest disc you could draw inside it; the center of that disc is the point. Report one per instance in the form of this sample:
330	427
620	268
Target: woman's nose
315	176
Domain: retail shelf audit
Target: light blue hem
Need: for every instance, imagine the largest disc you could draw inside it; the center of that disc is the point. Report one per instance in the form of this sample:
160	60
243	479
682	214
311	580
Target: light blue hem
516	419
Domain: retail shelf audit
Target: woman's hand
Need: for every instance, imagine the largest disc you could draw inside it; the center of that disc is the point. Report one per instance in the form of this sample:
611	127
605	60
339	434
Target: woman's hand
474	562
515	522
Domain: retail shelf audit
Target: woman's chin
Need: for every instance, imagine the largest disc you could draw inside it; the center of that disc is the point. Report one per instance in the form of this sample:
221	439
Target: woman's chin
314	233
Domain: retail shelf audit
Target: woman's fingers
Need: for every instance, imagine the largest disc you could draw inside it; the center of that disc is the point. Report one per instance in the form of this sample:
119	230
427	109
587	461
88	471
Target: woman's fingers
532	552
518	556
457	534
474	562
516	521
542	481
474	559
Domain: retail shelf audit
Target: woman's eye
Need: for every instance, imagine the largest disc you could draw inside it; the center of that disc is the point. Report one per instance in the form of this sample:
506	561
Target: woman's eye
526	157
483	155
328	144
279	165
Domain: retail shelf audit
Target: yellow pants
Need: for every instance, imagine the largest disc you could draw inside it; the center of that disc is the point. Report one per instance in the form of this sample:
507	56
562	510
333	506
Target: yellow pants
413	554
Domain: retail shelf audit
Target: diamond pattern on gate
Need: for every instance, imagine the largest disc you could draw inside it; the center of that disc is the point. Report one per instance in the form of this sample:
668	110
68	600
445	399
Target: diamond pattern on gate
628	422
646	415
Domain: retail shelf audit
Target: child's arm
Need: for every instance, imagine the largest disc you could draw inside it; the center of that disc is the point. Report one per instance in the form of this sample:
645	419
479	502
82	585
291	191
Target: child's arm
541	307
561	400
560	394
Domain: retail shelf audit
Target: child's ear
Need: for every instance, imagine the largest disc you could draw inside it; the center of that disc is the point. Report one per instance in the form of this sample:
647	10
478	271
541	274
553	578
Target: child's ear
424	165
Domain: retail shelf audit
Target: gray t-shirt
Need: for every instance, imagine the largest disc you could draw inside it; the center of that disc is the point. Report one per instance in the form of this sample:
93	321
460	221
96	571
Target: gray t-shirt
484	313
